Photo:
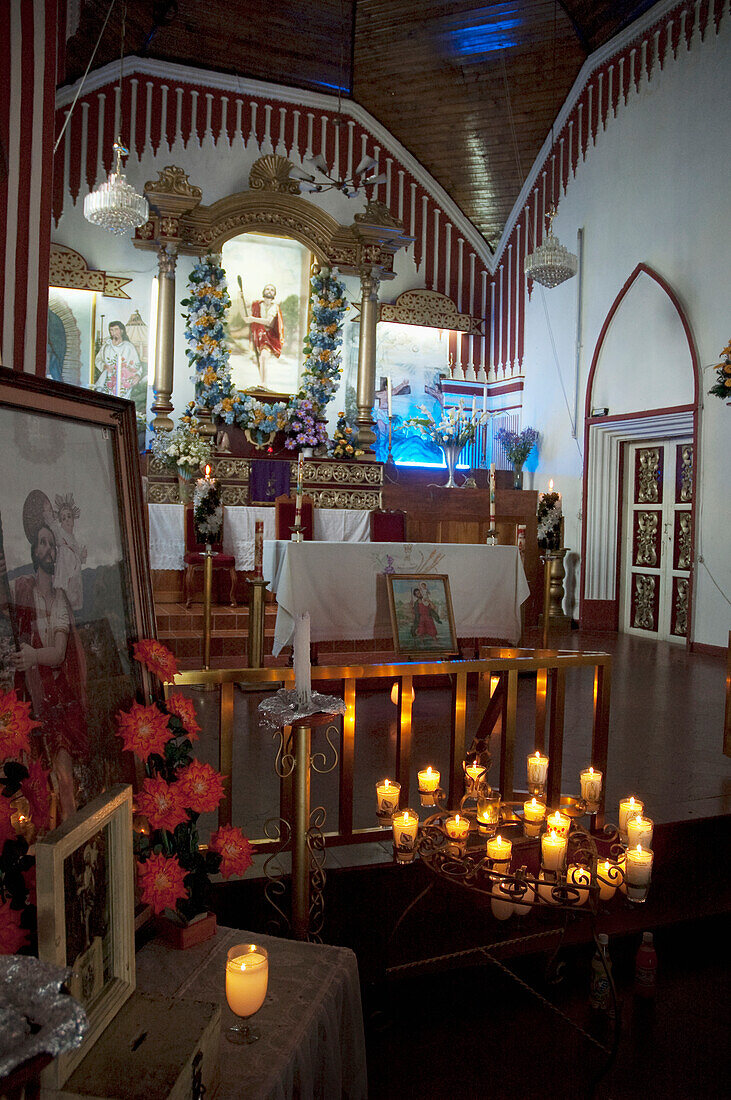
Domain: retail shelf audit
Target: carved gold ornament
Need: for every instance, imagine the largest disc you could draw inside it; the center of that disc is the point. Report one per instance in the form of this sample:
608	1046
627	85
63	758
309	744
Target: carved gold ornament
174	181
430	309
686	473
646	548
681	607
647	475
69	269
684	537
272	173
643	617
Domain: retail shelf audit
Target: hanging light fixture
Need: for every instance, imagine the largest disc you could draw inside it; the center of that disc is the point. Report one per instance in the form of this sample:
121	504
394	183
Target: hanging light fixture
551	263
349	185
115	205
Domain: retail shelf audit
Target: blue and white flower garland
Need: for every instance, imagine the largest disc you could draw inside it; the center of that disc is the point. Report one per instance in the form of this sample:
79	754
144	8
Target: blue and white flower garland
204	333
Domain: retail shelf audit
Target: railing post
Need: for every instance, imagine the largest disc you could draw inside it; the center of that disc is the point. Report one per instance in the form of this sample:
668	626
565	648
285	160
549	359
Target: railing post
459	717
403	737
507	736
225	751
600	731
300	851
347	756
555	736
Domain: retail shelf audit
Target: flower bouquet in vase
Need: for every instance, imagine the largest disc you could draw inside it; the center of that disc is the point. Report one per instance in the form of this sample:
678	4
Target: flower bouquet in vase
184	449
451	433
517	447
173	869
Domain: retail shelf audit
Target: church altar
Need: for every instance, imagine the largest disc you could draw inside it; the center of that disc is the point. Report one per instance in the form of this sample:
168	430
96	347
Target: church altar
167	540
343	587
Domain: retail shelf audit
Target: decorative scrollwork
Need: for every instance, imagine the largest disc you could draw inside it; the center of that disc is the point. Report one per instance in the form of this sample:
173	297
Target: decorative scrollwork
648	473
644	609
324	770
686	473
684	540
272	173
316	846
346	498
646	549
681	607
284	762
276	828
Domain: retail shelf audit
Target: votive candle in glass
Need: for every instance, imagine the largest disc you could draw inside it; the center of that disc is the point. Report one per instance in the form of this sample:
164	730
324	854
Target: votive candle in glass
609	876
488	810
591	789
429	780
546	882
559	823
638	873
457	828
387	796
527	901
499	851
628	807
553	850
579	876
501	902
537	771
247	977
405	828
533	815
639	831
474	777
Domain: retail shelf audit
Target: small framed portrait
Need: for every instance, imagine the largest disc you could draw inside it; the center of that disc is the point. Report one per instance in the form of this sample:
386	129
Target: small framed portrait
421	615
85	888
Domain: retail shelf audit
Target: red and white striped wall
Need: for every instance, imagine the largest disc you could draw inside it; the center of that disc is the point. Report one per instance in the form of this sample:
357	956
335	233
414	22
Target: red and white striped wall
28	30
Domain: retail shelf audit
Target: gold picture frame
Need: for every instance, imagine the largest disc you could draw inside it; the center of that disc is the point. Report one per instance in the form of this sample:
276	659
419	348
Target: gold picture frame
91	852
422	618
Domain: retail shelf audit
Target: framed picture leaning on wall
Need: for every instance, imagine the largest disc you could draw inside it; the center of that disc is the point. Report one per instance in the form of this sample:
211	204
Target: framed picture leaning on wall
421	615
74	576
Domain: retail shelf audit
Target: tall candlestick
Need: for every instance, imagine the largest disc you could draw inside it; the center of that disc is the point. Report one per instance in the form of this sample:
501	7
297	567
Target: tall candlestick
258	547
474	407
492	494
302	674
389	396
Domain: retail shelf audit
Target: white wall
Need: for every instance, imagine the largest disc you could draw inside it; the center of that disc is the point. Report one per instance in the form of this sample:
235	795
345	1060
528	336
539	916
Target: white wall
653	189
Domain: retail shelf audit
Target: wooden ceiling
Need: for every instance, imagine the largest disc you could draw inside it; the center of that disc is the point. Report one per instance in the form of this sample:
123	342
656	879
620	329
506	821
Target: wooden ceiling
469	88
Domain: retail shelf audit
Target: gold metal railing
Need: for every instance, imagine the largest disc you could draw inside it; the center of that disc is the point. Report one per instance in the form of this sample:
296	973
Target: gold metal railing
497	670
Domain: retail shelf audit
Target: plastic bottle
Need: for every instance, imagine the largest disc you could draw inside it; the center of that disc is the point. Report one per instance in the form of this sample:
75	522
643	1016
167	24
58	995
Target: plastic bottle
646	967
600	995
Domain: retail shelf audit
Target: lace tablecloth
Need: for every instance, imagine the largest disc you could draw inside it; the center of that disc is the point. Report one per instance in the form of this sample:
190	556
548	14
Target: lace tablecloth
167	541
343	586
311	1024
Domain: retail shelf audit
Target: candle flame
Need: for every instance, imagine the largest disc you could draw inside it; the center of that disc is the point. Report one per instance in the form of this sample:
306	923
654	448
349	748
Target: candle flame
639	849
606	864
631	800
553	835
386	784
456	819
591	771
428	771
499	839
533	803
538	755
550	486
638	819
208	471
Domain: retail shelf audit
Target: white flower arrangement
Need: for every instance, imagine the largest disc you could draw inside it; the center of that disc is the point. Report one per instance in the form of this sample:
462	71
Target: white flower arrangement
183	448
456	426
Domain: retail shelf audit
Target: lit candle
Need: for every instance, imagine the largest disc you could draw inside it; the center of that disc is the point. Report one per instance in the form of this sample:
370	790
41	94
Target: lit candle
579	876
492	494
300	480
501	902
387	796
609	877
533	814
258	547
429	780
547	880
302	673
527	901
405	829
389	397
537	772
559	823
638	873
246	981
500	852
474	408
457	829
628	806
591	788
553	850
474	776
639	831
488	810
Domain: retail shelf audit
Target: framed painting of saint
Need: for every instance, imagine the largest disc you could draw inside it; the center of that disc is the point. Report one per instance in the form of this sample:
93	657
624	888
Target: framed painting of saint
421	615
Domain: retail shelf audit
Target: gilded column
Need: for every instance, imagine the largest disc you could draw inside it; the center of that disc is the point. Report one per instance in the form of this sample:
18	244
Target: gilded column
162	386
366	388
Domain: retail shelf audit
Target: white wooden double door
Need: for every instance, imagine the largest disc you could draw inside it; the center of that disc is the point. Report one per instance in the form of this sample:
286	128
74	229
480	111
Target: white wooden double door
657	539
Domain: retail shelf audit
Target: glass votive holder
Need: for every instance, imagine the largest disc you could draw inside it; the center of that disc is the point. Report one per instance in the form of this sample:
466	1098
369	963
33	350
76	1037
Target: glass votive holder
428	800
638	873
533	814
547	880
475	778
559	823
405	825
591	789
537	766
457	829
639	831
387	796
609	876
501	902
499	852
553	851
579	876
628	807
488	810
429	780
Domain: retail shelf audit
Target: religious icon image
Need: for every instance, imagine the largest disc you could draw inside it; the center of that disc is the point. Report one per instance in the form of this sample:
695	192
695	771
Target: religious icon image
266	324
421	614
118	364
86	917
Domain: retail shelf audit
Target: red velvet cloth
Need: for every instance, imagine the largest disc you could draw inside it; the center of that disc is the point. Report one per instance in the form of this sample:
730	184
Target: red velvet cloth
388	526
285	510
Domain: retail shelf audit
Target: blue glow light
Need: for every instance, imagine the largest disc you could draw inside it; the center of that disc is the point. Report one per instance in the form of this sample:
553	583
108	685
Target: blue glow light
484	39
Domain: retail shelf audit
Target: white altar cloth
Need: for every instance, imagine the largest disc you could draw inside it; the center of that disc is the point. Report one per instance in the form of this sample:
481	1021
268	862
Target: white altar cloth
167	542
311	1023
343	586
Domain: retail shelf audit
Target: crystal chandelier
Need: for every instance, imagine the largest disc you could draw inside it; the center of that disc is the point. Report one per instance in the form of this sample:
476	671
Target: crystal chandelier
115	205
348	185
551	263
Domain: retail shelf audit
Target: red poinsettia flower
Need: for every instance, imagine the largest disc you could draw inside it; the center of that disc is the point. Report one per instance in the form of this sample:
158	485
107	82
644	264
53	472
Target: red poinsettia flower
12	936
201	787
161	882
162	804
37	791
232	845
7	829
144	730
184	708
157	657
15	725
